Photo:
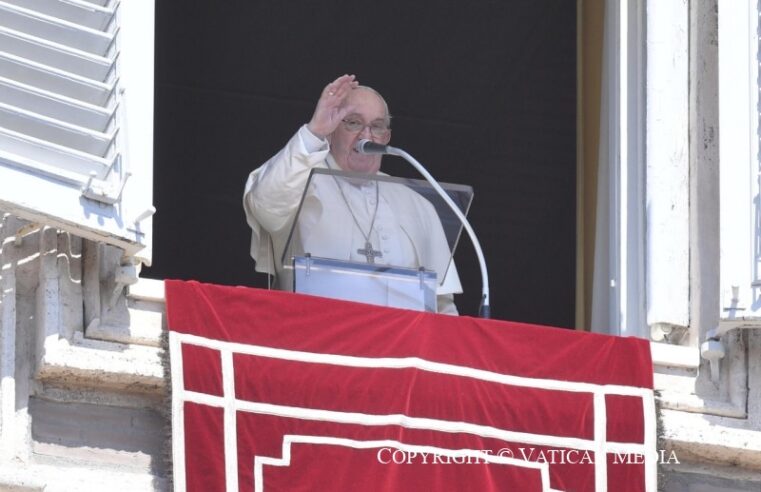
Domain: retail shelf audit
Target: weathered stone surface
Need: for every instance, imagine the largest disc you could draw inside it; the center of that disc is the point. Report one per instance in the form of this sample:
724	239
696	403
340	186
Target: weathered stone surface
76	412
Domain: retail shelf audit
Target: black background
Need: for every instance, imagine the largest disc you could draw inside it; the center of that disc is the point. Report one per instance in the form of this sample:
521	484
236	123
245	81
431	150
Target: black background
481	92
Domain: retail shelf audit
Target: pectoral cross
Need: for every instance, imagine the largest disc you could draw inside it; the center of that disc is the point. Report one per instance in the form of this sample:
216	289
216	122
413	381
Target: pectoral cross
369	252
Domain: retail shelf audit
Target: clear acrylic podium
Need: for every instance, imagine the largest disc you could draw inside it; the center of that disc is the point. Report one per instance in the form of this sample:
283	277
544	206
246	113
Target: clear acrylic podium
375	239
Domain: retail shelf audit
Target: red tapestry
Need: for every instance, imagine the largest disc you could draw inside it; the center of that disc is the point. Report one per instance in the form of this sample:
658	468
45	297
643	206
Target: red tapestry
274	391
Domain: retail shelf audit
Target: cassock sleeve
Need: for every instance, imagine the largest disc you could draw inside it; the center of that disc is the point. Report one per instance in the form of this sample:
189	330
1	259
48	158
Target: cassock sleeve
273	191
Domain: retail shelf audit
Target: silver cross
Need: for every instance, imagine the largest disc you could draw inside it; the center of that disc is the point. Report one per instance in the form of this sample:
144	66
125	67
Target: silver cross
369	252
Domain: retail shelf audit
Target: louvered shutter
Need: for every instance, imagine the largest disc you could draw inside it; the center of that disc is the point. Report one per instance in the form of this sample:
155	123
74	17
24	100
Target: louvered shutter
76	117
740	168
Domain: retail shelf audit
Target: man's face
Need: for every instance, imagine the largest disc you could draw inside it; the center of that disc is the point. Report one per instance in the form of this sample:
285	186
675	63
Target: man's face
368	109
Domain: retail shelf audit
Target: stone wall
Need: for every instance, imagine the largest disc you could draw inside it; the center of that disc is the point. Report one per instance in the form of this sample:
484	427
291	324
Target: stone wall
712	426
82	393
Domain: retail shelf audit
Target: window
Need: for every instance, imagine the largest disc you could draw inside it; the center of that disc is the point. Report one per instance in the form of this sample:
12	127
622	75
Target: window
740	214
76	117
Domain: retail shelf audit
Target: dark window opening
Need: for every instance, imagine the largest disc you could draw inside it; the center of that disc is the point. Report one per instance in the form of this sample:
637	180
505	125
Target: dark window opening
482	93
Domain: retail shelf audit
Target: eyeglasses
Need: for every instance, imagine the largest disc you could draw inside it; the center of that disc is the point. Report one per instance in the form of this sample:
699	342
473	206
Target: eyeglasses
378	128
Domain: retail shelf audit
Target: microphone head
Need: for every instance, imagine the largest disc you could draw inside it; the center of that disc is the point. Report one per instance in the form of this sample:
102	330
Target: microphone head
365	146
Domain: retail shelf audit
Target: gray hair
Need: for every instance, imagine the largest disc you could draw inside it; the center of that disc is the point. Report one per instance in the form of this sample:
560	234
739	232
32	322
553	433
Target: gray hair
383	100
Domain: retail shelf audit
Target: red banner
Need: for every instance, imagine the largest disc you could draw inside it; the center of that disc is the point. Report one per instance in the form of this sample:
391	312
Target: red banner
278	391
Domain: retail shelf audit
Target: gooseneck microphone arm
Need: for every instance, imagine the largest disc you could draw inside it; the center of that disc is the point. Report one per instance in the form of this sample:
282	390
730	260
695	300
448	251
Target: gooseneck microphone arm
365	146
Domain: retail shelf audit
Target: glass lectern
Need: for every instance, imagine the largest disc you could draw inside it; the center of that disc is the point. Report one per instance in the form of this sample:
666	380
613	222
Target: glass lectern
375	239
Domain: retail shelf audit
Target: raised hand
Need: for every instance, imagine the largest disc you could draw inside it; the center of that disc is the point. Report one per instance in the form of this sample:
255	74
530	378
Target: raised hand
330	109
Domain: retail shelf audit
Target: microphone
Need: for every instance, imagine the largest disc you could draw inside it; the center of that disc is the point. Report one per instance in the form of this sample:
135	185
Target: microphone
366	146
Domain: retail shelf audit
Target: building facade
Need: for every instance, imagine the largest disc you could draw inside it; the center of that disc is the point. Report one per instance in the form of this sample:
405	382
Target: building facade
670	218
669	234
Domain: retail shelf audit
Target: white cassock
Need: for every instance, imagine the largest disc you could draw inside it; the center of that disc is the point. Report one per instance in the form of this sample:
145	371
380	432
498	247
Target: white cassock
407	231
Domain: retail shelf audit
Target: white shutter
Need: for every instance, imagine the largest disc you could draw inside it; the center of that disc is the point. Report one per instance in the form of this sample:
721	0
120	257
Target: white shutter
739	163
667	166
76	117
